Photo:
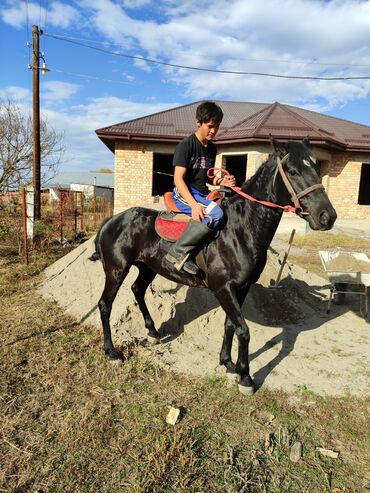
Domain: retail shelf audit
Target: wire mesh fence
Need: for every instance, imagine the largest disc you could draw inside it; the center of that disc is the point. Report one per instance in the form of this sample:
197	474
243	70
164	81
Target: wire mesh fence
67	220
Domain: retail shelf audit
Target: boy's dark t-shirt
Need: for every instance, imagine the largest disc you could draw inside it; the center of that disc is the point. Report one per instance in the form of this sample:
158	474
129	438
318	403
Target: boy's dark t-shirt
196	158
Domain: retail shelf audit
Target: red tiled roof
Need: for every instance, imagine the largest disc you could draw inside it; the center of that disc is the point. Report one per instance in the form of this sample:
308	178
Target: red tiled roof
250	122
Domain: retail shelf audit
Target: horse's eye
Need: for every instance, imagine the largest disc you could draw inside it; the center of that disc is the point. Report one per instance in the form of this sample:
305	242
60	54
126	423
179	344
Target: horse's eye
292	171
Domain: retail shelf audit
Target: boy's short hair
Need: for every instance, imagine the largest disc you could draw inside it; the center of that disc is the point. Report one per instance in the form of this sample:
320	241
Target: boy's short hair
209	111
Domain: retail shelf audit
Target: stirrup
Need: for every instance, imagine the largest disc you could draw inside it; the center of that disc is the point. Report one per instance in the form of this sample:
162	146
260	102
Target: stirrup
179	265
182	264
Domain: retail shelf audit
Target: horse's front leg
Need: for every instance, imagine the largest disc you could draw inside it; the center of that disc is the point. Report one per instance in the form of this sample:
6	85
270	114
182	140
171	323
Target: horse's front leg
227	296
225	354
227	342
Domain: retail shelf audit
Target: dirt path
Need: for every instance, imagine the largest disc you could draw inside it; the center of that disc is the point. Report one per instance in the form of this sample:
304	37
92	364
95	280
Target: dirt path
294	343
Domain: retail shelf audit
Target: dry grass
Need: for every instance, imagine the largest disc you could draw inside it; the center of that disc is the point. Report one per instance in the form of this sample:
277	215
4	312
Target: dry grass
305	248
74	422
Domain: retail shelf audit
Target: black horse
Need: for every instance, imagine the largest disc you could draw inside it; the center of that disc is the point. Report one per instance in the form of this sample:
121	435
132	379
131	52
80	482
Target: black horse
234	259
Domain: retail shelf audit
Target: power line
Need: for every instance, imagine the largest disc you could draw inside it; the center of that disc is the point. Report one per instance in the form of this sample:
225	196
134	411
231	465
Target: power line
187	67
279	60
84	76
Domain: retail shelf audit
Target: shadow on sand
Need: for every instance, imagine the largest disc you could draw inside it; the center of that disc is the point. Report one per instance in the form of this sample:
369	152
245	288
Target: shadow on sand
295	307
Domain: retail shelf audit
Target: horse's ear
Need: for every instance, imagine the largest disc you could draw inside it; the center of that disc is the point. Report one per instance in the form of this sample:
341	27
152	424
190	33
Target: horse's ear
279	147
306	142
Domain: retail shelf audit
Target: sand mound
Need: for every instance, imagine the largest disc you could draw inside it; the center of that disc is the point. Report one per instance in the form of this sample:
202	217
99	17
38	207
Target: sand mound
294	343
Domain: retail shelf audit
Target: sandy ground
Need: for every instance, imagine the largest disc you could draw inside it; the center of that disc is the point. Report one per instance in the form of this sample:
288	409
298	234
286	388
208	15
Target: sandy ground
295	344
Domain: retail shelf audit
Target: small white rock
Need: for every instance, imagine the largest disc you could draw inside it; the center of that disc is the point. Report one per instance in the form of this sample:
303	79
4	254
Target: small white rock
328	453
295	452
173	416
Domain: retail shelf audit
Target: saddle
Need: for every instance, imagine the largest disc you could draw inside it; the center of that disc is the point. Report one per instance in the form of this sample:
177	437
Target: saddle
170	224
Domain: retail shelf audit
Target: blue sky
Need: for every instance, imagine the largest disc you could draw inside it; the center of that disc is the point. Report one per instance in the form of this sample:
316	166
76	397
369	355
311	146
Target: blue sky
87	89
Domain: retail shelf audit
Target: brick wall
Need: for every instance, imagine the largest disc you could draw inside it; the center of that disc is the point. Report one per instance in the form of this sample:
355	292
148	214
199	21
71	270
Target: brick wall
133	175
343	186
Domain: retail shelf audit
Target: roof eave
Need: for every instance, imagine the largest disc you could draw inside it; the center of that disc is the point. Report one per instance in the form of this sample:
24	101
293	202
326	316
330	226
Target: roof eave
109	140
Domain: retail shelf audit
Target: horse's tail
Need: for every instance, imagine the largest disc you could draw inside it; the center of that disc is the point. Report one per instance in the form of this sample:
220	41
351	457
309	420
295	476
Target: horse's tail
97	255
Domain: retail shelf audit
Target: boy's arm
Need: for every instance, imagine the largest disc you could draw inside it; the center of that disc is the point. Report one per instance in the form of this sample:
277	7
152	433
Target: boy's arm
197	212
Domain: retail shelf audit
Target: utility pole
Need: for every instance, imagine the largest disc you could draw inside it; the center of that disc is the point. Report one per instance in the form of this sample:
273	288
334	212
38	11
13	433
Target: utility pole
36	121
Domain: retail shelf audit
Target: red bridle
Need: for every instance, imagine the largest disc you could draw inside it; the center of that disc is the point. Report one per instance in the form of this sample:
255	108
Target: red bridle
294	196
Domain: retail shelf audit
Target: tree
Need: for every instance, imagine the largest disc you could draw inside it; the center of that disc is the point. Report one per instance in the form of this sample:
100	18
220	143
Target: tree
16	147
108	171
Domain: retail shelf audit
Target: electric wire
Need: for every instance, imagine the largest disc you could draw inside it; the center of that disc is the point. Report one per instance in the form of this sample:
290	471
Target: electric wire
84	76
299	62
203	69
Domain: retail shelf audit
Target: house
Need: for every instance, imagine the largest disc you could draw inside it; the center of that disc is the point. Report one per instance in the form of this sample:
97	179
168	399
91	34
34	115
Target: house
90	183
144	147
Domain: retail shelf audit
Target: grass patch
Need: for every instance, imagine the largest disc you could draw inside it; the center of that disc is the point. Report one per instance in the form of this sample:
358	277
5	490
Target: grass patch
320	240
74	422
305	248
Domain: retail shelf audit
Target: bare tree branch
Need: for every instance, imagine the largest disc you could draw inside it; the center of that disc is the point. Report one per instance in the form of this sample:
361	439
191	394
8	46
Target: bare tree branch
16	147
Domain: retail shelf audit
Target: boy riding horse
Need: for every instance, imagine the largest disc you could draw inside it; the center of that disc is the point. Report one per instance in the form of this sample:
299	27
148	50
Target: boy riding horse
193	157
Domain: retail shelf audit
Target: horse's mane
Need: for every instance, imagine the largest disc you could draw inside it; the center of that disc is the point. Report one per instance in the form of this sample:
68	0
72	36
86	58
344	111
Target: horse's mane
261	176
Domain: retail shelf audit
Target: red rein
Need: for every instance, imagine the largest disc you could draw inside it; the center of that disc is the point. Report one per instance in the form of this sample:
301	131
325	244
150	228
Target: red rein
286	208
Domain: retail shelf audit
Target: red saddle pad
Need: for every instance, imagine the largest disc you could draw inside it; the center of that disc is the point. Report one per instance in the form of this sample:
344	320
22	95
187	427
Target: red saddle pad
170	229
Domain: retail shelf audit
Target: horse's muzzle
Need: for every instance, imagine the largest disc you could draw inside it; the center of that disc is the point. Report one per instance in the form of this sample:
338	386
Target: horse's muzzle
323	221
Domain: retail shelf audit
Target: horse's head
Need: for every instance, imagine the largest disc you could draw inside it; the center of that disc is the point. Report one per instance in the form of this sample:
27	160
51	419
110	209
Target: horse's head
297	180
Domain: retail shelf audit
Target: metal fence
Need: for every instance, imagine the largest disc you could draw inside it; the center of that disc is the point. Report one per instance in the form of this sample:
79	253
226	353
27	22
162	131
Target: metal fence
67	220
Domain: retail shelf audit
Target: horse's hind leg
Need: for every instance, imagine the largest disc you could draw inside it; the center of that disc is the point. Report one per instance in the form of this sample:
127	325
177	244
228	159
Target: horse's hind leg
113	281
139	287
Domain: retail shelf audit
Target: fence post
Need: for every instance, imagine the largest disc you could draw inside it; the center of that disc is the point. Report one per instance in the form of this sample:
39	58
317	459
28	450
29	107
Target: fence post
61	215
94	210
30	211
24	217
104	208
75	214
82	199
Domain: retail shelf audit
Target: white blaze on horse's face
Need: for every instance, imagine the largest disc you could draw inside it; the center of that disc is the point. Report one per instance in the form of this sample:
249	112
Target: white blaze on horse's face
308	162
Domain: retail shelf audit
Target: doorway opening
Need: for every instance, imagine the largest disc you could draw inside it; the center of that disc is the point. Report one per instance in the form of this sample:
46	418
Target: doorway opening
162	174
237	165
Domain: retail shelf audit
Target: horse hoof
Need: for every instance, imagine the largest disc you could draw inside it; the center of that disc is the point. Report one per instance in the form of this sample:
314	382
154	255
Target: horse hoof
233	377
115	355
247	391
116	362
153	341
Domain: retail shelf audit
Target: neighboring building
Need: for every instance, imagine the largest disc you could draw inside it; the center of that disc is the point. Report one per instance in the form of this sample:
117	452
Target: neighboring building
91	184
144	148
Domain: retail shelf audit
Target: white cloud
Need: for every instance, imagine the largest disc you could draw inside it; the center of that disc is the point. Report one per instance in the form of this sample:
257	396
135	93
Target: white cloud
252	37
142	64
84	150
58	14
135	4
56	91
16	94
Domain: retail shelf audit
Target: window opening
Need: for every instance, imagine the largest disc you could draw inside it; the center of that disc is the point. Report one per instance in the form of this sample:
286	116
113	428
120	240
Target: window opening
364	189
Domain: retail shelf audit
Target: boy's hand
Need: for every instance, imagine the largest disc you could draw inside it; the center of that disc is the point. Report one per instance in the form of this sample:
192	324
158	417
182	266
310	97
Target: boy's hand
197	212
228	181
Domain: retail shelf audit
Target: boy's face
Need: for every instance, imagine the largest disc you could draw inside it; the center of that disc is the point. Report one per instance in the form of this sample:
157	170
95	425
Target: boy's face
207	130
